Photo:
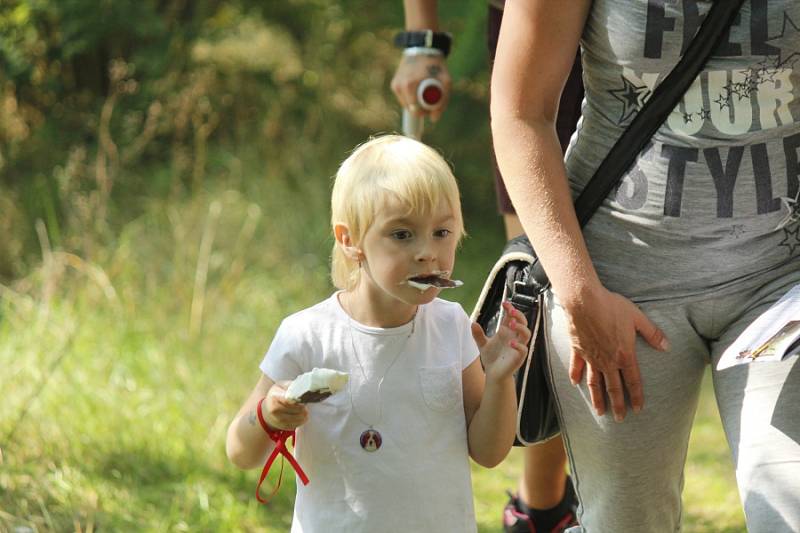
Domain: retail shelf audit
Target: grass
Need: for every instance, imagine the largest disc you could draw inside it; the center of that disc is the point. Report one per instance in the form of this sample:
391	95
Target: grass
710	498
121	371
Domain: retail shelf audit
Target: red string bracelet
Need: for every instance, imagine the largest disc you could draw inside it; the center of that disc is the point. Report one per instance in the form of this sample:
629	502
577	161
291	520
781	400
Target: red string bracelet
279	437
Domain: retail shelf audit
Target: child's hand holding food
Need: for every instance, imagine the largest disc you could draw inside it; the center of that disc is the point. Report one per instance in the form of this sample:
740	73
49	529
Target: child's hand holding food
281	413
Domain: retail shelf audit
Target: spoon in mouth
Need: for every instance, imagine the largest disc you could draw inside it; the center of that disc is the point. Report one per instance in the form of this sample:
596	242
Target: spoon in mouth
437	279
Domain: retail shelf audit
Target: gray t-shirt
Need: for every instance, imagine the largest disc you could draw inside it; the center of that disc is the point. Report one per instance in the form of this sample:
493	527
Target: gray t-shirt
714	197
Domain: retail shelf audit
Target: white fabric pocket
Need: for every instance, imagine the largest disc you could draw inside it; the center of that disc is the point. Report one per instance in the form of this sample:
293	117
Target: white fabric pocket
441	387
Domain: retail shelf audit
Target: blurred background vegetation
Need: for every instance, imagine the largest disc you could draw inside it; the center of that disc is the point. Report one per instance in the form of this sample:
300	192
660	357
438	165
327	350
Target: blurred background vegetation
165	170
107	105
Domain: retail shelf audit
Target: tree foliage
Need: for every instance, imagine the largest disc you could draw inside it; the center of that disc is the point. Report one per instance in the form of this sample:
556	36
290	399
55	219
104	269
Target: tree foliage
103	101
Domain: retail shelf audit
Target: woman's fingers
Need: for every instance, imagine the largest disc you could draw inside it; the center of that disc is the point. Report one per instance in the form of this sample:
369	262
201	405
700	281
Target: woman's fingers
597	394
632	378
405	81
576	366
616	394
605	343
614	382
650	332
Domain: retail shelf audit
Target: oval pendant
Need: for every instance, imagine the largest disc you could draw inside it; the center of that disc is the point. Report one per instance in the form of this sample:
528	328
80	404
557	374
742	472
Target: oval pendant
370	440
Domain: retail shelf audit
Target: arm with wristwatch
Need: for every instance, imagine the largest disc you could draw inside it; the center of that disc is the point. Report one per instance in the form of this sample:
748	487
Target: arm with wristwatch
425	51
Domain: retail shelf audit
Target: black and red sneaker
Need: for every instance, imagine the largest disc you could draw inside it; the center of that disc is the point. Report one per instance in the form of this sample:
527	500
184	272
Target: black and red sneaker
516	520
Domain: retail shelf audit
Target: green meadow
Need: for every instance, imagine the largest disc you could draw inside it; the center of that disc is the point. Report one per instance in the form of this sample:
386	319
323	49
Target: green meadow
121	375
163	205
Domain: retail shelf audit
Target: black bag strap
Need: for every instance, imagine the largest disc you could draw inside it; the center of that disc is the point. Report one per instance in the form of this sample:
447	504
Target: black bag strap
654	112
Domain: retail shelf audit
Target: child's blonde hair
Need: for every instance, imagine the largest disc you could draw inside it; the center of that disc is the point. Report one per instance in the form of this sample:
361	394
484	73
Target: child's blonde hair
412	172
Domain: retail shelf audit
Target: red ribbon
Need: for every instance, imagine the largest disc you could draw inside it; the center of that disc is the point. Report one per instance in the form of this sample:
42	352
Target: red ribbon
279	437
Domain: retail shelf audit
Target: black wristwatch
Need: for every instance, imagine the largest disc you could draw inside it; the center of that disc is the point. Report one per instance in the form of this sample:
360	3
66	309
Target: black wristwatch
439	40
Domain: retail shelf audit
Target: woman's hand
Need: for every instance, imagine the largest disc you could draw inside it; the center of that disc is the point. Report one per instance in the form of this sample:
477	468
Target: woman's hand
279	413
505	351
603	328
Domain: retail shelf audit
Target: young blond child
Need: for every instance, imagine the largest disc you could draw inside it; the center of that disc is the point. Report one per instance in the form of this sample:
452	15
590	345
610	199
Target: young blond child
390	451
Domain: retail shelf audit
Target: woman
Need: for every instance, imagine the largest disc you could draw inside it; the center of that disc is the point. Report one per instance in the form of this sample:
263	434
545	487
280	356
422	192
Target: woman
700	238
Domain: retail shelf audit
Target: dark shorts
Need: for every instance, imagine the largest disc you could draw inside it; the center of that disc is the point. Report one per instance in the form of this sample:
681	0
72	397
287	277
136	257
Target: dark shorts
569	109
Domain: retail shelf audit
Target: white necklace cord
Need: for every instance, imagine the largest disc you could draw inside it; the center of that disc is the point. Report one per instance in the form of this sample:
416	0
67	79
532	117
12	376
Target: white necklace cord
364	373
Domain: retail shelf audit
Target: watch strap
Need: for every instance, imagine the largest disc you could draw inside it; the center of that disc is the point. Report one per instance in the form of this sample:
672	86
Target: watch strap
425	39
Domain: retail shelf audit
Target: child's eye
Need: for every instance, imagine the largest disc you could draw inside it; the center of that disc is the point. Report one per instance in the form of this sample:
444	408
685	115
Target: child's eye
442	233
401	234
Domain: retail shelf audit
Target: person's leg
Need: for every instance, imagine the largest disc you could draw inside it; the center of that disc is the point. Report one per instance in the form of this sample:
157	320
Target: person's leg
512	225
543	481
629	475
760	408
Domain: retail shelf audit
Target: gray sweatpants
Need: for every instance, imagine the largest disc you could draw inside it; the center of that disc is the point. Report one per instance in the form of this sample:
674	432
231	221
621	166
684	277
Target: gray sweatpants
629	475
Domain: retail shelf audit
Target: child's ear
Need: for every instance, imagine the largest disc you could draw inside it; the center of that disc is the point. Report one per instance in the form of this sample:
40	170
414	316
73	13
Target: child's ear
342	234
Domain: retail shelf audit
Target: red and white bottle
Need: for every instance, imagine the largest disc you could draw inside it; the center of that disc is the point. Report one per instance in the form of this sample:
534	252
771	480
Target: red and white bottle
430	94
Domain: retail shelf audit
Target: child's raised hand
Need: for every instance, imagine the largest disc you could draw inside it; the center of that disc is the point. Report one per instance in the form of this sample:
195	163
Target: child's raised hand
504	352
281	413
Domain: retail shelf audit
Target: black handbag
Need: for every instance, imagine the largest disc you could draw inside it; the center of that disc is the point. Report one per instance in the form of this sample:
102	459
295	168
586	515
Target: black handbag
519	278
510	280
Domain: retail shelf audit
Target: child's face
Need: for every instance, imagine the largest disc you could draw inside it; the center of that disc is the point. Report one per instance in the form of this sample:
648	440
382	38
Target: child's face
399	246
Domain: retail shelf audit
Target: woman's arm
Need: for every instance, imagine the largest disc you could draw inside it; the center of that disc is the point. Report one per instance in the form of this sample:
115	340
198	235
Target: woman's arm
421	15
535	53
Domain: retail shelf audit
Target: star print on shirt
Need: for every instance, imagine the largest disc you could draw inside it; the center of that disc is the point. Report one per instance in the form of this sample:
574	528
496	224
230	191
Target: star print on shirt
737	230
632	97
791	239
723	102
788	41
739	89
766	72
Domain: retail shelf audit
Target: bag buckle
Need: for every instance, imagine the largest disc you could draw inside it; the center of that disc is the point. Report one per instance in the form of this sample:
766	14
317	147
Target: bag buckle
524	297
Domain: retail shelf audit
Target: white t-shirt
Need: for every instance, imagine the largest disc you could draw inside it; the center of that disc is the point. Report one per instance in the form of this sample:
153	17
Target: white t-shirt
419	479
